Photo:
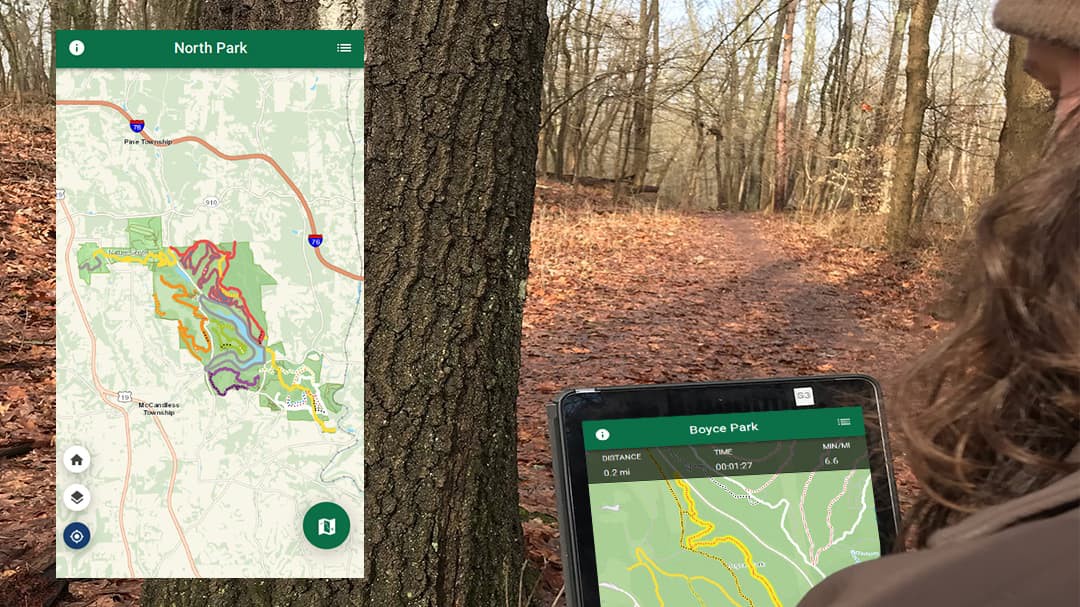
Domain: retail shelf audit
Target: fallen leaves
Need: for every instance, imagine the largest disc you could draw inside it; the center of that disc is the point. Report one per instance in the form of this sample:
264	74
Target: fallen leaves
27	381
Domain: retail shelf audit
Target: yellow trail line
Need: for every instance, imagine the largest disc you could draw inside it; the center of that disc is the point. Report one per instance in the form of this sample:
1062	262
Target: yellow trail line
166	258
708	527
643	560
683	543
697	596
293	387
224	287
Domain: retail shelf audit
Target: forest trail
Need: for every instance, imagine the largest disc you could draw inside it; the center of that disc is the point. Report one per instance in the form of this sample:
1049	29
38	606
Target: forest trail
629	297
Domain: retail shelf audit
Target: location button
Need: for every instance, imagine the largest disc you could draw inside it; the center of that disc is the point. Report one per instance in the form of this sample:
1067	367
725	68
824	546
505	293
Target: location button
76	535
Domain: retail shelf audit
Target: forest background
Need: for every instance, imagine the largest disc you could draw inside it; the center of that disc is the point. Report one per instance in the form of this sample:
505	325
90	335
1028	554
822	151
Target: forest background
723	188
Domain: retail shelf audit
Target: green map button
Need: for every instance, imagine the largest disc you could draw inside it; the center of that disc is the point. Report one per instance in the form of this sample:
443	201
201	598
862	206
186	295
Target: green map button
326	525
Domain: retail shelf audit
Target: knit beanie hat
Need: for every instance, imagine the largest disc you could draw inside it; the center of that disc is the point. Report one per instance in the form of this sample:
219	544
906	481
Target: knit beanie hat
1051	20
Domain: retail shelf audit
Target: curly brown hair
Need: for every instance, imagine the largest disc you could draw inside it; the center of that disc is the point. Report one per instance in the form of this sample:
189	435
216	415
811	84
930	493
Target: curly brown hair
996	403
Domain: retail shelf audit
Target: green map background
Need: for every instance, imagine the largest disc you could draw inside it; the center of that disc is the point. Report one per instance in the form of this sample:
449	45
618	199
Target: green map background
648	518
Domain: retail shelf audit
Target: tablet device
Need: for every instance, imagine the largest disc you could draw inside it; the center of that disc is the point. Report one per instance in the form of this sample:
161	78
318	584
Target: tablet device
729	493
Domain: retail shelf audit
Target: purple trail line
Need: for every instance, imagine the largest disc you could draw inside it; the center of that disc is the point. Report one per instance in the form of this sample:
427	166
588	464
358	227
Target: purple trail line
231	357
189	263
238	384
215	294
86	265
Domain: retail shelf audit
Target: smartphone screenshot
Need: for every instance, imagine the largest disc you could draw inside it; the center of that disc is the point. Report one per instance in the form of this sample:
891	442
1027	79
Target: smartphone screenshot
210	338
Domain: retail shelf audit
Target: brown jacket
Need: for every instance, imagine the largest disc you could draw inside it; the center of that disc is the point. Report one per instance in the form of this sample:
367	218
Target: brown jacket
1024	552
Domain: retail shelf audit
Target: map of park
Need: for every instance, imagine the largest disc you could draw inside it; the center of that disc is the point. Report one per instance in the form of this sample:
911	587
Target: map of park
210	319
754	540
223	329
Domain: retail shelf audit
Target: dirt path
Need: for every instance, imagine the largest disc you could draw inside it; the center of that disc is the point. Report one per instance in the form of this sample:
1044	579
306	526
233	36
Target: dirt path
631	297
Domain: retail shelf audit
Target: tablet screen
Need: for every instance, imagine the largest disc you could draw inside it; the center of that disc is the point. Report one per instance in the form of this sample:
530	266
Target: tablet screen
728	509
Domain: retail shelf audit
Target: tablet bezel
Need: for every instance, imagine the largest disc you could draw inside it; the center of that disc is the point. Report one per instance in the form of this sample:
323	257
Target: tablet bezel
586	404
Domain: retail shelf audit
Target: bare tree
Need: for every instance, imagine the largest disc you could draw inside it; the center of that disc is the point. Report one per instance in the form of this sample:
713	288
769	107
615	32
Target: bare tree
635	163
779	199
907	152
806	76
754	190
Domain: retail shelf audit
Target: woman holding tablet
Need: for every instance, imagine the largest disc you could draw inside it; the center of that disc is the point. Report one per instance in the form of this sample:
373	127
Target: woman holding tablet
994	440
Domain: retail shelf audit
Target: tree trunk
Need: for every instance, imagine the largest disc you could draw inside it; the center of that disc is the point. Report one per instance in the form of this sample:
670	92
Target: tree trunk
586	70
453	102
650	97
718	166
561	49
757	167
780	191
883	113
73	14
925	193
806	76
822	157
892	71
268	14
112	16
1028	117
642	92
697	118
907	151
841	93
741	133
7	37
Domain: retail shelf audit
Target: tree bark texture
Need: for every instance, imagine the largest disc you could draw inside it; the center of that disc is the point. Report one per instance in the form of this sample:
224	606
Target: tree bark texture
267	14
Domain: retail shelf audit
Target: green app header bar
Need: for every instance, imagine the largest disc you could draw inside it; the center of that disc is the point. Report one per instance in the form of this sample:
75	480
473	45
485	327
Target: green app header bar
234	49
722	428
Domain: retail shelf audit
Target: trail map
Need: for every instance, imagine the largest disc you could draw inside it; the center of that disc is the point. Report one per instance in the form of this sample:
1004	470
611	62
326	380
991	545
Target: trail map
731	509
210	319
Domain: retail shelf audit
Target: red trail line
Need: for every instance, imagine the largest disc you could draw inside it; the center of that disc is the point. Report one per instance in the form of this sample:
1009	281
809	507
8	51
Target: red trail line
226	289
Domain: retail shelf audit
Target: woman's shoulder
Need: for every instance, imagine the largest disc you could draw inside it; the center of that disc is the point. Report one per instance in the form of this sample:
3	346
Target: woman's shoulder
1026	551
